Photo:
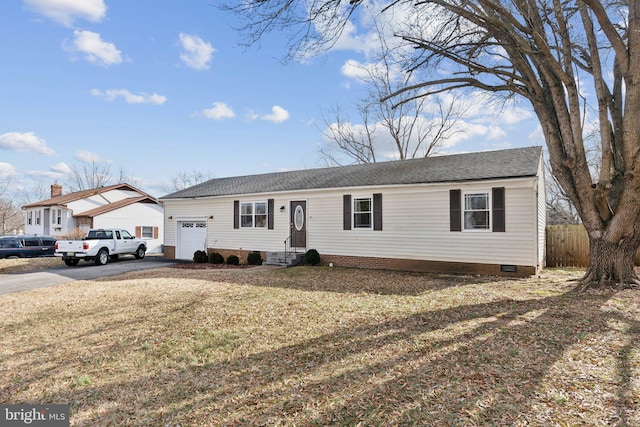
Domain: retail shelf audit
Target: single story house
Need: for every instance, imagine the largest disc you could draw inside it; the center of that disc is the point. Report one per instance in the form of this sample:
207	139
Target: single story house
117	206
478	212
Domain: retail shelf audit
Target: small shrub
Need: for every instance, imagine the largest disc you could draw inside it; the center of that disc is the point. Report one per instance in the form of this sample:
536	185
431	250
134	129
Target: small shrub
312	257
215	258
200	257
254	258
233	260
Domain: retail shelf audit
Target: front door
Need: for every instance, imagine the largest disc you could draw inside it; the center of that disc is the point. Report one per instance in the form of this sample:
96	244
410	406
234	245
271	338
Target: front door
46	222
298	223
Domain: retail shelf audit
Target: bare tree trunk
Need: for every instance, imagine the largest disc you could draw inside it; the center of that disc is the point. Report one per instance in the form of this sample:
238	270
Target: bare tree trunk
614	248
611	262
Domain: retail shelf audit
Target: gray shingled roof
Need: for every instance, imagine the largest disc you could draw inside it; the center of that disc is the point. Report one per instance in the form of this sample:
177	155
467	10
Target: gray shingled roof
511	163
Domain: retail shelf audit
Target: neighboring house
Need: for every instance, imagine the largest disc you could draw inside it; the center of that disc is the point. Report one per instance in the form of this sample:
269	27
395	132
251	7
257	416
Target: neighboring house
466	213
119	206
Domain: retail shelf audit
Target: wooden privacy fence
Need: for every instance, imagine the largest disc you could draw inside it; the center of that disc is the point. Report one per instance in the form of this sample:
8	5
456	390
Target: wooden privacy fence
568	246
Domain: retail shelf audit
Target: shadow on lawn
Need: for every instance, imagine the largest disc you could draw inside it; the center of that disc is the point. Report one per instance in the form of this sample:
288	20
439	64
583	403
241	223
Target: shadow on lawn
324	279
408	371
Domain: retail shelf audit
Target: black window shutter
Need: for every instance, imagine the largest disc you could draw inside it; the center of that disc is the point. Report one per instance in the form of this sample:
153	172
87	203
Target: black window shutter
346	212
236	214
497	205
377	211
455	214
270	214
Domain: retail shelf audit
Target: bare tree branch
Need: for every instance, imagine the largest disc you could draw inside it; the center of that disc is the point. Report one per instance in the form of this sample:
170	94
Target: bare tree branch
546	51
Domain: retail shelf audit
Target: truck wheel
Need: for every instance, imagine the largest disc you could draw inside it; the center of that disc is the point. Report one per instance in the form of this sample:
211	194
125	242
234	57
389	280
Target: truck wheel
140	252
71	262
103	257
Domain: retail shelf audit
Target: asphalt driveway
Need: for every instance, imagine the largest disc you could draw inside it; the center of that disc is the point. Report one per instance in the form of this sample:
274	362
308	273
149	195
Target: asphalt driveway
17	282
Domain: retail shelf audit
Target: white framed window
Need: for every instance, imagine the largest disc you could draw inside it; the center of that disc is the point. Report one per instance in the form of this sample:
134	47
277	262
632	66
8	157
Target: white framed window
56	216
38	217
30	218
147	232
362	212
253	215
477	211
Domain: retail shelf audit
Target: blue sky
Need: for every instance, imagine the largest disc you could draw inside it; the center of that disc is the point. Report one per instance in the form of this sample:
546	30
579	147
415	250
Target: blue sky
159	88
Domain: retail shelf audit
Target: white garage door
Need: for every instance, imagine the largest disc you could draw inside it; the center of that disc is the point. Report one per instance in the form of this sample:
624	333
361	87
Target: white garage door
192	236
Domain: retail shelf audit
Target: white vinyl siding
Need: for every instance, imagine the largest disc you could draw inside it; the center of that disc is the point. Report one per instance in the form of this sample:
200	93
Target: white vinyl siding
421	232
542	216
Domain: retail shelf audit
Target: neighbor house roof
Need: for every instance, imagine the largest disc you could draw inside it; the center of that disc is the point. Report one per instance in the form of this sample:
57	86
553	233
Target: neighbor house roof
511	163
64	199
116	205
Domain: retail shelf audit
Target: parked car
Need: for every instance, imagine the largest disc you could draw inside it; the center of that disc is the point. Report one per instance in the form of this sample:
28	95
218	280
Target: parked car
100	245
10	247
27	246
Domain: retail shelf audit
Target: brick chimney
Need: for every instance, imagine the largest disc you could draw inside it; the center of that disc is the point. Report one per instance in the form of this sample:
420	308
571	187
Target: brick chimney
56	190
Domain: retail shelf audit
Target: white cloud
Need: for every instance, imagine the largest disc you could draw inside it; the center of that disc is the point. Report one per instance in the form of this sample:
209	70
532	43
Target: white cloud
87	156
354	69
485	108
28	141
57	172
278	115
95	49
62	168
6	170
365	71
130	98
219	111
495	132
66	12
196	53
366	32
537	135
351	40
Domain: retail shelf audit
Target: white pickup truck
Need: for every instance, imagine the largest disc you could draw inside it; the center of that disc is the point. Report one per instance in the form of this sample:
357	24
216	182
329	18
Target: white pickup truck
100	245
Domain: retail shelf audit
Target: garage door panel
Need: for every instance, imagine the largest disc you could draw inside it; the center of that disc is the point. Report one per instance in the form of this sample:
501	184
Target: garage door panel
192	236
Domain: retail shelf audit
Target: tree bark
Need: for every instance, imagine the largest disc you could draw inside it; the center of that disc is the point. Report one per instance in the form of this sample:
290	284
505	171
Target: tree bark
612	259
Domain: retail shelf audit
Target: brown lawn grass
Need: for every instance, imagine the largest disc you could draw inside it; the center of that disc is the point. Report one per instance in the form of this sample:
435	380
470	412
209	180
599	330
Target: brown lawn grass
325	346
21	265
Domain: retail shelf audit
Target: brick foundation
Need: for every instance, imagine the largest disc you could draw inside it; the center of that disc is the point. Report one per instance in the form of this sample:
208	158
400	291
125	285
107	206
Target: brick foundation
170	252
389	263
425	266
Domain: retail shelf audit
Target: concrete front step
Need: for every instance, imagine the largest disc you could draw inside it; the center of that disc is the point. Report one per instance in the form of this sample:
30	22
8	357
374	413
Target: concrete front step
288	259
